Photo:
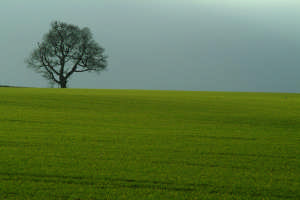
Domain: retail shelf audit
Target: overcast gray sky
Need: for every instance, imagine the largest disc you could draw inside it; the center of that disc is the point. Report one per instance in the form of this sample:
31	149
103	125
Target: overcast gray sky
218	45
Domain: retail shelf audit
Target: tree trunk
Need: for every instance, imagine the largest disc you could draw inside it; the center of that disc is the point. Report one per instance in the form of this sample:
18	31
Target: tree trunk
63	84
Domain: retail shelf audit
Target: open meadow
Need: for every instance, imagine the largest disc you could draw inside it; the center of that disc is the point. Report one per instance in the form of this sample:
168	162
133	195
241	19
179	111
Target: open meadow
134	144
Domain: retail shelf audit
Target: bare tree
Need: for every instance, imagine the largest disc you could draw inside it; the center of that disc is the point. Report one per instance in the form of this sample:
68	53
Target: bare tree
65	50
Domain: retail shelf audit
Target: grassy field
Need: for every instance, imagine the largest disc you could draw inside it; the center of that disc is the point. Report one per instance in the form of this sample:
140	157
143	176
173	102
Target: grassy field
132	144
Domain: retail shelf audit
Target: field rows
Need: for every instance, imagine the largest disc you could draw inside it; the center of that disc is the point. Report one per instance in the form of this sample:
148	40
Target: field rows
131	144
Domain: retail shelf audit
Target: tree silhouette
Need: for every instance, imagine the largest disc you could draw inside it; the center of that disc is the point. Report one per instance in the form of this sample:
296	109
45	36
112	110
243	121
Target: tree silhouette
66	49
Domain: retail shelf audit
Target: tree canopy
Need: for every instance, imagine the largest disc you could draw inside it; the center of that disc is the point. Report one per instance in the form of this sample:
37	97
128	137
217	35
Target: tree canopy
66	49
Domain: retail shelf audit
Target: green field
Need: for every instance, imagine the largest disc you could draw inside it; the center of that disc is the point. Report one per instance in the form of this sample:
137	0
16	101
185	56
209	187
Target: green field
133	144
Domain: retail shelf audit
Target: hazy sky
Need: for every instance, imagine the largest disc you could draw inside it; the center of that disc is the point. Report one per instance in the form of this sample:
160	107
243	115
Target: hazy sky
219	45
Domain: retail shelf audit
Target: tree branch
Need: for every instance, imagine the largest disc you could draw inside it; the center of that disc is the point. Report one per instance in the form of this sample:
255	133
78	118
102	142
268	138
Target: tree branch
83	70
50	66
73	69
51	75
76	64
45	62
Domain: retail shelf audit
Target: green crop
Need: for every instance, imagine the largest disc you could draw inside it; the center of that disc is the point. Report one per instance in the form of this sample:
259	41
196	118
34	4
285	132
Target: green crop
133	144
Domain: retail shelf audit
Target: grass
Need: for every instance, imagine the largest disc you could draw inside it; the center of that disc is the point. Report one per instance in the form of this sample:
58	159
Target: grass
131	144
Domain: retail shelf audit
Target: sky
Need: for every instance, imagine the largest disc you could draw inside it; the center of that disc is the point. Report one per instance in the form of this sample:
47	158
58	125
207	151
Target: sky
202	45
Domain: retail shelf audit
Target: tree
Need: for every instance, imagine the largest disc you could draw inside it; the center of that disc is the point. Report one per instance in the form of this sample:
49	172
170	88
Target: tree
66	49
